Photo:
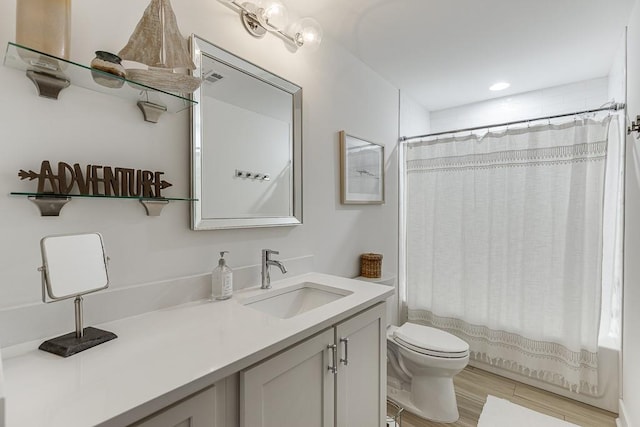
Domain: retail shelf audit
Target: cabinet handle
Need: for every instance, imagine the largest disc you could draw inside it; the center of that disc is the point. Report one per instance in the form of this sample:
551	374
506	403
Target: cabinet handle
345	361
334	358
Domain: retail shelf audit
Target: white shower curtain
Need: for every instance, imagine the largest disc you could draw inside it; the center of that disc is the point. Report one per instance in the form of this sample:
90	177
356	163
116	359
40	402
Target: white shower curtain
504	245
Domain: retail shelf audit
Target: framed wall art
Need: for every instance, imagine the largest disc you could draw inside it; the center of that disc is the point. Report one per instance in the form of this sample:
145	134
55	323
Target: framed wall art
361	171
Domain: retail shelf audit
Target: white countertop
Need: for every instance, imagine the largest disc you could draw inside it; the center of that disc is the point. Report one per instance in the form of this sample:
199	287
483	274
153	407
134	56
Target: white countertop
162	356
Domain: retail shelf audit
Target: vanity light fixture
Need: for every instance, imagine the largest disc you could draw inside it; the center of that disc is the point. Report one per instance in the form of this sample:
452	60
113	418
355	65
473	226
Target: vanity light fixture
271	16
499	86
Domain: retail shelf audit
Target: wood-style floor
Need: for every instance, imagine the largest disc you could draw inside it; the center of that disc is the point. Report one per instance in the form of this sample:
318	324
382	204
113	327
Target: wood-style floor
473	385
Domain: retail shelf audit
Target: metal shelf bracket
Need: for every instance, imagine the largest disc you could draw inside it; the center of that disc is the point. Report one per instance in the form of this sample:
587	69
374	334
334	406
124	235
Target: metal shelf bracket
48	86
154	207
50	205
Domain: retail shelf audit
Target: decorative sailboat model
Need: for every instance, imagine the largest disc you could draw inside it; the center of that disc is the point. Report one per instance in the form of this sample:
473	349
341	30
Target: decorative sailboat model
157	43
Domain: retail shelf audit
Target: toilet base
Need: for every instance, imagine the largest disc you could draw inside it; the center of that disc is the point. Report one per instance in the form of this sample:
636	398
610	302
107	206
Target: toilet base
438	412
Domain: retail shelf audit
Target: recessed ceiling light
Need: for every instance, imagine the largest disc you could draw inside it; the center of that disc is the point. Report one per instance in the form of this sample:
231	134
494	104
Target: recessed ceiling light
500	86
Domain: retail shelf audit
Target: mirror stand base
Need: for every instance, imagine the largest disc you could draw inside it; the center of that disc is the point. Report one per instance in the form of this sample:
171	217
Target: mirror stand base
67	345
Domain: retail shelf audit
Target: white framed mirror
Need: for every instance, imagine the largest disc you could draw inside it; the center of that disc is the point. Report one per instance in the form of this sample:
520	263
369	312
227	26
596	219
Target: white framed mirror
246	144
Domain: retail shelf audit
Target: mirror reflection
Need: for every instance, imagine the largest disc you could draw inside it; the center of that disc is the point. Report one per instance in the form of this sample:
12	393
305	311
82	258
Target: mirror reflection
246	143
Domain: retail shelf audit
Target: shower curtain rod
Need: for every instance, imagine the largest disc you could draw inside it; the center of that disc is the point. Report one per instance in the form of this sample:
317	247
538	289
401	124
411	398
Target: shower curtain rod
613	107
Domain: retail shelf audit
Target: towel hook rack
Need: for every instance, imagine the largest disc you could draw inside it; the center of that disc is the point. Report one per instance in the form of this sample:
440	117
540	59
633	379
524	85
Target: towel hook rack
635	126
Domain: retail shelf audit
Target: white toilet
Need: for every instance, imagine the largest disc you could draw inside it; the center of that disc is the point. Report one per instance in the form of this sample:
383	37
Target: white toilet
421	364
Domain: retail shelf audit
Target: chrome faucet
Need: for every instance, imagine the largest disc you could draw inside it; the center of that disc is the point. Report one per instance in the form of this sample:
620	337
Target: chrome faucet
266	262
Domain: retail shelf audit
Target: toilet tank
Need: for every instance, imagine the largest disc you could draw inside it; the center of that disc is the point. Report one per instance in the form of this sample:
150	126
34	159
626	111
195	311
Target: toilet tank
392	301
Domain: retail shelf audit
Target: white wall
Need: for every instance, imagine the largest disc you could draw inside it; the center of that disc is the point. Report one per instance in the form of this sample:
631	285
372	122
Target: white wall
339	93
618	73
611	322
414	118
563	99
630	407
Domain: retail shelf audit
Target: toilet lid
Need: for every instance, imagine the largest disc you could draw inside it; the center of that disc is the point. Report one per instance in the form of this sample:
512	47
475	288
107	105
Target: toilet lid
431	341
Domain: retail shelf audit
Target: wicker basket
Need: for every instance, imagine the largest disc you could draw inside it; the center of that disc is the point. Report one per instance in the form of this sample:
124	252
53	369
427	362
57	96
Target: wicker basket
371	265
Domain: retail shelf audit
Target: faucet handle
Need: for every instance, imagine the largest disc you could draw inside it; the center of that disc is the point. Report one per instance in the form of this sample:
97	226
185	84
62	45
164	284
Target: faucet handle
268	252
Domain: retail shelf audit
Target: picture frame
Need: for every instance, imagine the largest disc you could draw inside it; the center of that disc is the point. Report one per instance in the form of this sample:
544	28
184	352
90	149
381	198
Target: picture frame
361	171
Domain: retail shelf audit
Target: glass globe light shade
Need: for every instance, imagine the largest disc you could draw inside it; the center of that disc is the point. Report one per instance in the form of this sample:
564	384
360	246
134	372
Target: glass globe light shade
273	12
307	33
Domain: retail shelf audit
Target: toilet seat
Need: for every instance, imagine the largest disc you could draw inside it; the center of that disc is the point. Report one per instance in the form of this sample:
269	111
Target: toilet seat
430	341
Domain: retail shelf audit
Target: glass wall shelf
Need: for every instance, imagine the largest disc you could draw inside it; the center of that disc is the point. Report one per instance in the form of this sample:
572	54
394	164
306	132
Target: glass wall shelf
52	74
51	204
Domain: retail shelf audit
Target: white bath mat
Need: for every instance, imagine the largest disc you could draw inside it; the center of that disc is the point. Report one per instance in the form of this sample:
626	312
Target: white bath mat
502	413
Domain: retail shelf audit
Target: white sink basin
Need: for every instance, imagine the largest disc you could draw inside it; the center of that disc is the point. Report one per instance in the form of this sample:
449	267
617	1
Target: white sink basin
296	299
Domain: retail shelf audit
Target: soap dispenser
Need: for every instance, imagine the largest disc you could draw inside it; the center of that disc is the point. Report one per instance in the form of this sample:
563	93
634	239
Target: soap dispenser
221	280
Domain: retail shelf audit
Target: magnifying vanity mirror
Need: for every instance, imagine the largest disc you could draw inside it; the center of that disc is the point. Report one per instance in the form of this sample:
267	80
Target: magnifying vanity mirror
246	151
72	266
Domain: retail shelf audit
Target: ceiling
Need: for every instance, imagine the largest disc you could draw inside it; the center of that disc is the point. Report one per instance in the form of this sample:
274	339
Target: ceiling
445	53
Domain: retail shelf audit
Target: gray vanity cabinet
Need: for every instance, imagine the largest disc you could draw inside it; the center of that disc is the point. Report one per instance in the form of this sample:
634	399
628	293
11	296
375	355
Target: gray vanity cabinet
336	378
361	386
292	386
215	406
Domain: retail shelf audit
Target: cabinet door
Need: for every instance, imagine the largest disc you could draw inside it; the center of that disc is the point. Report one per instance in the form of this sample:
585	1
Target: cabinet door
203	409
361	381
292	389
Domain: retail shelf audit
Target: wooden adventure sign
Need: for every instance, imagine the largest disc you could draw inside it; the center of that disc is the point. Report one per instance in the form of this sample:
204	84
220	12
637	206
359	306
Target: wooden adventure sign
97	180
